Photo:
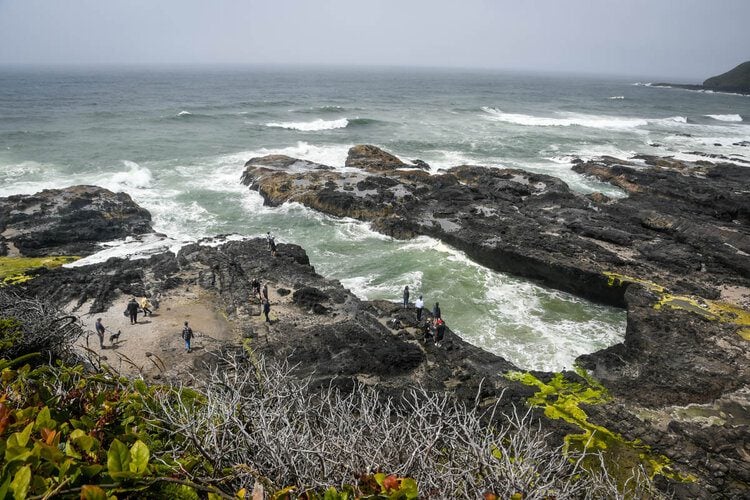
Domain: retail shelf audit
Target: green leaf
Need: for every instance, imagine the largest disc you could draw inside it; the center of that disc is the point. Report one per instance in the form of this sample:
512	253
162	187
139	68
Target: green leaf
20	483
44	419
409	488
91	492
213	496
20	439
5	486
139	455
118	459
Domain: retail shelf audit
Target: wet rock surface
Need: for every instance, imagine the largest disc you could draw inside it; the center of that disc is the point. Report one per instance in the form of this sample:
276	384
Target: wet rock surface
69	221
680	239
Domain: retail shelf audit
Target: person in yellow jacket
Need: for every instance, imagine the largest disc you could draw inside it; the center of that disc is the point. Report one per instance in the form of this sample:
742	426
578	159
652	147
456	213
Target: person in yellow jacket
146	306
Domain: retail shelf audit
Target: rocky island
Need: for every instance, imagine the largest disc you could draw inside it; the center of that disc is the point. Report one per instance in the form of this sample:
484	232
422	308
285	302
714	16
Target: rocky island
672	399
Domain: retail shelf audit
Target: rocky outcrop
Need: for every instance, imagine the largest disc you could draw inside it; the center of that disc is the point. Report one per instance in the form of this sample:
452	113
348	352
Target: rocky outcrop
676	243
683	225
70	221
736	80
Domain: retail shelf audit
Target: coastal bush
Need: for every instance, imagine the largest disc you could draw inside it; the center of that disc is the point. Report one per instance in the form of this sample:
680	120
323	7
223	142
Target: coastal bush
31	325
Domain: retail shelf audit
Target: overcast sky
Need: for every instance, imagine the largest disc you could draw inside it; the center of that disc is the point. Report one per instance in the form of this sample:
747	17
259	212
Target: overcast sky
688	39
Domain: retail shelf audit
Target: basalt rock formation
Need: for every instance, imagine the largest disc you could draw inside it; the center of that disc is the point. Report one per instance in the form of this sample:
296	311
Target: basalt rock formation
684	226
69	221
671	252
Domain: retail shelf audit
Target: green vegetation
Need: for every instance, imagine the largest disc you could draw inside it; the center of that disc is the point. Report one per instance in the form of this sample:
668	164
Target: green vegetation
14	270
711	310
562	399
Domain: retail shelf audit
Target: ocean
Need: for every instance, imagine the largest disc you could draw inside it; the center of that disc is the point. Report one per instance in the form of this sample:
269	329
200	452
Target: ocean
176	141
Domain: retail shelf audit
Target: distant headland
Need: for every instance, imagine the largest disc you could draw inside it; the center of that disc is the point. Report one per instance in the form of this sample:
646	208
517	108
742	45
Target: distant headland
736	80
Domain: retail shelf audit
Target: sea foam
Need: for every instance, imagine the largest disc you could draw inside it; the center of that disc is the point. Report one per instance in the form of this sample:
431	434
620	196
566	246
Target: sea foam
312	126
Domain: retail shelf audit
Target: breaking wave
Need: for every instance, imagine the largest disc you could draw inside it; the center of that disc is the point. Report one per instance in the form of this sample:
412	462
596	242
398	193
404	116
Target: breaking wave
581	120
312	126
726	118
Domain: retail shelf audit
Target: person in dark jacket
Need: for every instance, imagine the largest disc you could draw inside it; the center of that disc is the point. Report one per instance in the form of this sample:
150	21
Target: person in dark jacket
187	336
100	332
132	311
266	309
436	311
406	296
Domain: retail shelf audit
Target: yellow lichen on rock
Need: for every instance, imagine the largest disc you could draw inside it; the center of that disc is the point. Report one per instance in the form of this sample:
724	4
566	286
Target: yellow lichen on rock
562	399
14	270
709	309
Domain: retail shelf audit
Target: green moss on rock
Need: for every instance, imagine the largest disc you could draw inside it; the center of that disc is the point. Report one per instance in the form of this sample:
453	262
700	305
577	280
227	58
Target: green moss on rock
14	270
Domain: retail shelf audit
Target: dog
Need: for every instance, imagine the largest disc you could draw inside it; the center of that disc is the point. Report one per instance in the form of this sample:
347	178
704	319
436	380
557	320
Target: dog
114	336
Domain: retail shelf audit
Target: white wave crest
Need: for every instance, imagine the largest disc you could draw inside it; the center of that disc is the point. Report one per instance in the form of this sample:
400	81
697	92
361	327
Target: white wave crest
581	120
726	118
312	126
184	113
136	177
617	97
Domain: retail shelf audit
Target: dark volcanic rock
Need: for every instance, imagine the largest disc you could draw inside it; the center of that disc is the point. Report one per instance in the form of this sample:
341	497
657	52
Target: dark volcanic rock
68	221
682	230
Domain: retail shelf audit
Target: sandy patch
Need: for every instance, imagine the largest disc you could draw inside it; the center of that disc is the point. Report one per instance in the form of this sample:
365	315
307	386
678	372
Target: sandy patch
153	347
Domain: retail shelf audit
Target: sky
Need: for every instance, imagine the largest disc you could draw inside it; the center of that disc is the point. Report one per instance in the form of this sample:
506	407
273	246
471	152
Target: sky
675	39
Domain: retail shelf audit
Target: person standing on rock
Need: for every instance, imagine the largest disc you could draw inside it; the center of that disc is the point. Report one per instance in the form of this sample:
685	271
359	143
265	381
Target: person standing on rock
255	284
266	309
272	247
265	291
100	332
132	311
439	331
419	305
269	239
436	311
187	336
406	296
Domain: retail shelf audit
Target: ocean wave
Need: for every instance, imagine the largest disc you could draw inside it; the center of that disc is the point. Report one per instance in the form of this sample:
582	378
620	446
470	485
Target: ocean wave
184	113
616	97
581	120
312	126
726	118
136	177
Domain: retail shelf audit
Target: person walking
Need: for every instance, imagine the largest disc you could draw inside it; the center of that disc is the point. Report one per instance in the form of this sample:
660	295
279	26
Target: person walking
266	309
406	296
132	311
146	306
419	305
187	336
436	311
100	332
265	291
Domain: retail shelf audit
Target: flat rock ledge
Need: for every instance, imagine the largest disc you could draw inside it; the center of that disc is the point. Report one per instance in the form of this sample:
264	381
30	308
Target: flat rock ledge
70	221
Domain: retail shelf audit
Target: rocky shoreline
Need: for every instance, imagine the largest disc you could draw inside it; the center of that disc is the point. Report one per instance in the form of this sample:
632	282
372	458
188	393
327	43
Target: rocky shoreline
674	252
